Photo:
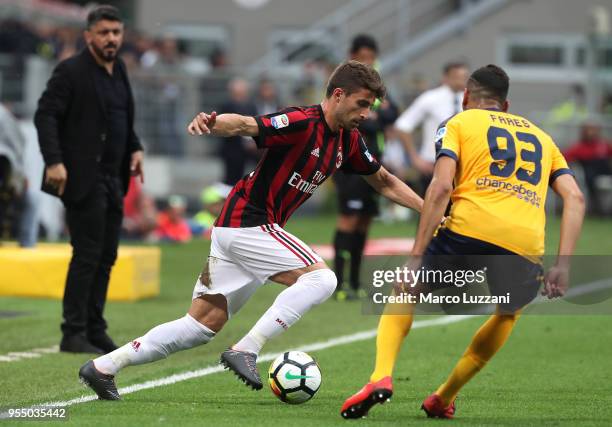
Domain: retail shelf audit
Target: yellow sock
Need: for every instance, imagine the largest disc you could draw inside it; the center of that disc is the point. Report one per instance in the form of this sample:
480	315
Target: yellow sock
392	329
486	342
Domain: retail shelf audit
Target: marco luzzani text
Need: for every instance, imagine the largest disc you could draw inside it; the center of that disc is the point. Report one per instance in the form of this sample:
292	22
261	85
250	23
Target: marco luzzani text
443	278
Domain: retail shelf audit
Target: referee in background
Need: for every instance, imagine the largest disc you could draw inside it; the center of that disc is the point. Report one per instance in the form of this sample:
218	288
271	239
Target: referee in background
358	201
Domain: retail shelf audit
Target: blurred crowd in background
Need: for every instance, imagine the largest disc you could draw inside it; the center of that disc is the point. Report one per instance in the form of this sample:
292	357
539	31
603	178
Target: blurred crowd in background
169	87
51	41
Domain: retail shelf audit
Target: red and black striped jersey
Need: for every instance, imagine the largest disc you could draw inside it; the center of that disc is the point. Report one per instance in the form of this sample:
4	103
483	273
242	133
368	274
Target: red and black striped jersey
301	153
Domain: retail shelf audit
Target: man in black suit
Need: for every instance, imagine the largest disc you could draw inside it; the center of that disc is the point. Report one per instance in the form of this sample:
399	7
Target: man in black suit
85	122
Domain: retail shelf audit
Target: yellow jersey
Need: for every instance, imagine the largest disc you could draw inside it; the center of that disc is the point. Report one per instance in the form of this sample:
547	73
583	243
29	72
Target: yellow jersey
504	166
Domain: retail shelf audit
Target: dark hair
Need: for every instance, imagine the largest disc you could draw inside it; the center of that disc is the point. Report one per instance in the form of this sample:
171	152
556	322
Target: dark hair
489	82
449	66
361	41
352	76
103	12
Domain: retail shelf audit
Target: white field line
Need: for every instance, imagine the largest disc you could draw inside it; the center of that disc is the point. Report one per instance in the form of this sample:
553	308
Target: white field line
15	356
322	345
173	379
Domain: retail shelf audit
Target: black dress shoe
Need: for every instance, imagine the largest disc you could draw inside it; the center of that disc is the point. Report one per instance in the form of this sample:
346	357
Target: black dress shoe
103	342
78	344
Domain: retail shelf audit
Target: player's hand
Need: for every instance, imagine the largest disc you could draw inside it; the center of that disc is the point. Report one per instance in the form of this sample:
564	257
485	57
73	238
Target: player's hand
408	285
136	162
202	123
56	176
556	282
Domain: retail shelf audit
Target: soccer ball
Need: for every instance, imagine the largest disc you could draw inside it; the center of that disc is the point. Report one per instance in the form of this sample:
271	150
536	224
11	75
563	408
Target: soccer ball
294	377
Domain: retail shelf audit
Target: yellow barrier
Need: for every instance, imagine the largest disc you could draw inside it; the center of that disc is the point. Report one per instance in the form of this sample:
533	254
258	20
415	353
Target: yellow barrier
41	272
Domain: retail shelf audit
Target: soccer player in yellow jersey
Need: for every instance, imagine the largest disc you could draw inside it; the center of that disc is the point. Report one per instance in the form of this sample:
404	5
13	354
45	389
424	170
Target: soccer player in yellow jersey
495	167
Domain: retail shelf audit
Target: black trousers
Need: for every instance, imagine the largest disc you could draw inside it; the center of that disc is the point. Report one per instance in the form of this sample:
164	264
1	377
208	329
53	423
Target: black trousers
94	224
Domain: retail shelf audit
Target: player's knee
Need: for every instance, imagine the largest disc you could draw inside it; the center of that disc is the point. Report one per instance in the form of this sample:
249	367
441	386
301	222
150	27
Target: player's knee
330	281
510	317
325	280
507	316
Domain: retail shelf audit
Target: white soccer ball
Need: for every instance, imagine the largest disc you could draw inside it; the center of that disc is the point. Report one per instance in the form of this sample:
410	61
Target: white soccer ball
294	377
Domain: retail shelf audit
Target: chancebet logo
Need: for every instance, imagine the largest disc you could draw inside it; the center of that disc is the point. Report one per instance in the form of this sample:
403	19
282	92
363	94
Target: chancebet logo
517	190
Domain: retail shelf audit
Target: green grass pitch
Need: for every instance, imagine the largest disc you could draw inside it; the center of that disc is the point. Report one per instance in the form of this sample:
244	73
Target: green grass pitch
555	370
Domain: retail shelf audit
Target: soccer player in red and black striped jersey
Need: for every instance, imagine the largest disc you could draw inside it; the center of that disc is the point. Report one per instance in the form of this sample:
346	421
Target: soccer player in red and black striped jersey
304	146
303	151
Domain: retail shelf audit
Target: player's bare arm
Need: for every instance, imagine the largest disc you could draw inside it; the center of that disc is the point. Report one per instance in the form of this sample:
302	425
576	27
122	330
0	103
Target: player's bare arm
223	125
394	189
436	199
556	280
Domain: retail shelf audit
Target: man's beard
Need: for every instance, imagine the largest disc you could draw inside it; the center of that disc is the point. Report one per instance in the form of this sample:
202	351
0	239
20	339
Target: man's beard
343	122
351	124
104	56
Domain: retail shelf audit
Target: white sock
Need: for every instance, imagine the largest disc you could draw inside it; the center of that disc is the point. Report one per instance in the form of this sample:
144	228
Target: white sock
158	343
310	289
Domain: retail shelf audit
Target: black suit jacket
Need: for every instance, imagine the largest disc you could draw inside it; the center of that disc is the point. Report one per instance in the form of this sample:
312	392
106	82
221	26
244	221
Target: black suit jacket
71	124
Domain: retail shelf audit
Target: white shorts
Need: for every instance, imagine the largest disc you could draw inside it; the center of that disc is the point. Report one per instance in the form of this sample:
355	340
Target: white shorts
242	259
